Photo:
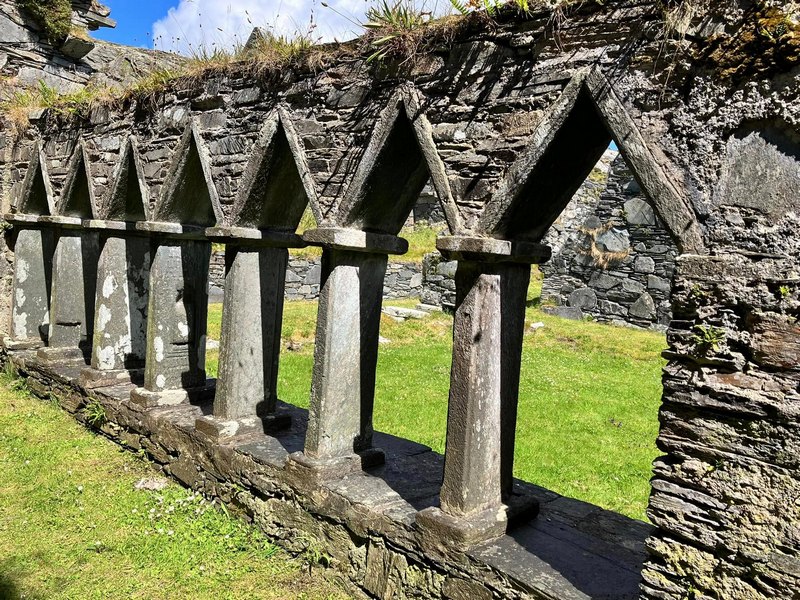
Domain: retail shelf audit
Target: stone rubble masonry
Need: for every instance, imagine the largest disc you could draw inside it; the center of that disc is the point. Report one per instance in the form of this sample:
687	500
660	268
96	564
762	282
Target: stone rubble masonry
613	259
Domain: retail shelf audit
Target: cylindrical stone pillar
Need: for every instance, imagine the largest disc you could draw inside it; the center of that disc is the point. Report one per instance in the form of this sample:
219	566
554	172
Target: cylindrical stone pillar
488	326
339	435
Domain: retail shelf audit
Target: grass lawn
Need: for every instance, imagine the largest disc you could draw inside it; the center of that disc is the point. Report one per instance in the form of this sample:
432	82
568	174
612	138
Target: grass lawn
589	397
73	526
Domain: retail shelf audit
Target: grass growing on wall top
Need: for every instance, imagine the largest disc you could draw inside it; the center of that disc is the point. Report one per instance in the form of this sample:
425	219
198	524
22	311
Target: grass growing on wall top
72	525
589	397
54	17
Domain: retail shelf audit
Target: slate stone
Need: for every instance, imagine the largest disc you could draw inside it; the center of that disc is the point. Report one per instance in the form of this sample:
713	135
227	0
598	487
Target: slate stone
644	307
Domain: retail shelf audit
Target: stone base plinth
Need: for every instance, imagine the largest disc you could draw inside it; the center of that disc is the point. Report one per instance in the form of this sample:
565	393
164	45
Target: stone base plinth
316	469
148	398
442	531
219	428
52	354
11	344
96	378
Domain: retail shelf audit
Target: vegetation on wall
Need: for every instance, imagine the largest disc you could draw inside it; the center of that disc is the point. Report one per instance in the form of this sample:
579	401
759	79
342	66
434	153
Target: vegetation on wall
54	17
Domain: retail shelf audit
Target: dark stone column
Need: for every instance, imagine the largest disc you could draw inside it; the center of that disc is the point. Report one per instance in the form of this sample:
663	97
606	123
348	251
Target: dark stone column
339	436
72	291
246	399
176	317
477	492
120	323
30	303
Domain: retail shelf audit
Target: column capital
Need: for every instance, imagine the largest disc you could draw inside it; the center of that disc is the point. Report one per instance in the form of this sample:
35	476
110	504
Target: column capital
491	250
251	236
342	238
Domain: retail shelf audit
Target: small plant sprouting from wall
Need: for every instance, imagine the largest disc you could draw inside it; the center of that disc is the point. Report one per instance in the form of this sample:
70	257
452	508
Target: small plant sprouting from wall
95	414
707	338
602	258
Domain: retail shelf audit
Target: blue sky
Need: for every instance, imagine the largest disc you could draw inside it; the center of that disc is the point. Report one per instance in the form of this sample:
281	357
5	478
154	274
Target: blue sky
190	25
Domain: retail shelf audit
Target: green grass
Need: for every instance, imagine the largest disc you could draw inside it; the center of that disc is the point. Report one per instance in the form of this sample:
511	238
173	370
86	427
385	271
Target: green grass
589	397
73	526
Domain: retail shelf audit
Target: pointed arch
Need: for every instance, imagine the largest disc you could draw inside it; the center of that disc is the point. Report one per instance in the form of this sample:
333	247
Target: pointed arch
129	197
36	194
397	163
562	152
77	197
277	184
189	196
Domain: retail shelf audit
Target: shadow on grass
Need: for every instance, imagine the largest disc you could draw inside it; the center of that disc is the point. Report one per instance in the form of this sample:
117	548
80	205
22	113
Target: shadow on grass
9	589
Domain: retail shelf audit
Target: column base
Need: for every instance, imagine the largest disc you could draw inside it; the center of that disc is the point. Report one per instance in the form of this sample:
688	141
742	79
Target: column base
521	508
149	399
91	378
440	530
219	428
13	345
52	354
324	469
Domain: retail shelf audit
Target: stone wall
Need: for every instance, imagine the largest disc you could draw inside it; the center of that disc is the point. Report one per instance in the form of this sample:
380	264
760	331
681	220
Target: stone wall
403	279
612	257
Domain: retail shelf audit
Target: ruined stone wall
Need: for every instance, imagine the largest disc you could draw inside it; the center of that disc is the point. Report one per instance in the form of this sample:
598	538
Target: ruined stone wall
706	116
612	257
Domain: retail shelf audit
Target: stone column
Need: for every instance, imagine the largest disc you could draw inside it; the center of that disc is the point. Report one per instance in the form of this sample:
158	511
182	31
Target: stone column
246	398
477	492
30	303
339	436
176	317
120	323
72	291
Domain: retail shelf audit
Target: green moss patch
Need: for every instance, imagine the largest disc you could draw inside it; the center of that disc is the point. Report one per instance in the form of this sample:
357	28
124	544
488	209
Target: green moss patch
54	17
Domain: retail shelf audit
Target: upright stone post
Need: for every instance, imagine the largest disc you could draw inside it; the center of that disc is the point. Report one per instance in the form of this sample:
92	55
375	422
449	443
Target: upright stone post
339	436
491	286
177	312
246	398
33	262
72	291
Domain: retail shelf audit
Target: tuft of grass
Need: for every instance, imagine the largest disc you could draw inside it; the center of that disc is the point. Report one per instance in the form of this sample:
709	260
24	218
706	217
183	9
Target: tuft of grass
73	524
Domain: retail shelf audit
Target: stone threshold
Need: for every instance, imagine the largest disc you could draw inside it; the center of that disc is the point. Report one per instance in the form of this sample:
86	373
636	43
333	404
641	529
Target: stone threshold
365	521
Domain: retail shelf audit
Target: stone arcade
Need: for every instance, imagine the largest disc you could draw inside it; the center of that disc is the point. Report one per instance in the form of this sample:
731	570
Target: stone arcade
114	218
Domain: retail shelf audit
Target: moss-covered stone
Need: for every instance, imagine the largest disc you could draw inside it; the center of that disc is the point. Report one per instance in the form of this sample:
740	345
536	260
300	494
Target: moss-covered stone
54	17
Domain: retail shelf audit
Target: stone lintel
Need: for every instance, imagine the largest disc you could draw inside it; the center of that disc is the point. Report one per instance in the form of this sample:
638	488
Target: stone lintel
61	221
112	225
92	378
479	249
441	531
250	236
307	469
22	218
341	238
218	429
173	230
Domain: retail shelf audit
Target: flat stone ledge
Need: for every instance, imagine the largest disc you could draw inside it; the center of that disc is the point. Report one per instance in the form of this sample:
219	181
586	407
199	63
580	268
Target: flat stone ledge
11	344
61	221
255	237
341	238
95	378
22	218
148	398
173	230
480	249
111	225
219	428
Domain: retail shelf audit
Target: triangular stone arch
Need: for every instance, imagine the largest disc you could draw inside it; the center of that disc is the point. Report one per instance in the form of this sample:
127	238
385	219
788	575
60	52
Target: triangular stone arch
189	196
36	194
129	197
399	160
77	197
277	184
562	152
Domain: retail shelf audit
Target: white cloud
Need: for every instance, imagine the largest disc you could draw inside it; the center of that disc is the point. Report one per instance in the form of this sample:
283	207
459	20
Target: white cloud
196	25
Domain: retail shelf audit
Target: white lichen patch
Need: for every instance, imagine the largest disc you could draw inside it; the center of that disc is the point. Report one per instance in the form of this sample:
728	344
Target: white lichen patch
21	270
183	329
103	317
109	285
161	381
158	346
19	297
20	325
106	357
